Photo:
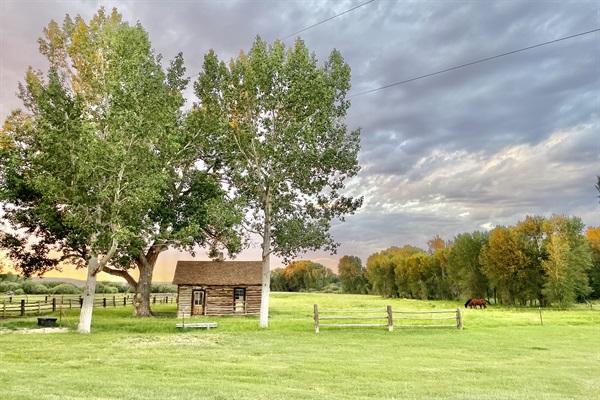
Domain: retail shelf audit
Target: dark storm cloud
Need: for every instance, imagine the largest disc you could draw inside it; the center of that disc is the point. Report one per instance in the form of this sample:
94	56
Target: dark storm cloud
467	149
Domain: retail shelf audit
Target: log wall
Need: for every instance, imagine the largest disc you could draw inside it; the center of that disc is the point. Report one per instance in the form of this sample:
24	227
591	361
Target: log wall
219	300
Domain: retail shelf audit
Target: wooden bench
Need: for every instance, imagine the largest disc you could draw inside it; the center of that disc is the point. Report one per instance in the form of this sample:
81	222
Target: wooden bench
206	325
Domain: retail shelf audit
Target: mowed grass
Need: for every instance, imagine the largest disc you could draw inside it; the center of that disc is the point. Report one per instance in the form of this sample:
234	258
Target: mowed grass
502	353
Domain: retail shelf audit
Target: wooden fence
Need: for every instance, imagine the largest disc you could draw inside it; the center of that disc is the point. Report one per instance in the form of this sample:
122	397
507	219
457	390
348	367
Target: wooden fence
381	318
19	307
347	318
416	319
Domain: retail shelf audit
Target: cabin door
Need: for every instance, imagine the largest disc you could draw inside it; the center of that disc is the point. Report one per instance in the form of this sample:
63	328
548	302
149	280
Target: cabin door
198	302
239	300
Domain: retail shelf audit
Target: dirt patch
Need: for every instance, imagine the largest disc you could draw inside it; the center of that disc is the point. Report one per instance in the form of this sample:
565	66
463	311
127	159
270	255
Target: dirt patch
38	330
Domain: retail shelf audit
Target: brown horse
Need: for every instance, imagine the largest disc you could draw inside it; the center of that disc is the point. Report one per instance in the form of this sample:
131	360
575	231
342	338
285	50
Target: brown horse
473	303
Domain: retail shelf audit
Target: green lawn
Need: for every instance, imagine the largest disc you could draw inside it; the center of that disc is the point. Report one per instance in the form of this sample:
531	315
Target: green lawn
502	353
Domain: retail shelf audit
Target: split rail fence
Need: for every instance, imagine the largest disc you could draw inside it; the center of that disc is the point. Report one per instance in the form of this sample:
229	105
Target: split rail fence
386	318
19	307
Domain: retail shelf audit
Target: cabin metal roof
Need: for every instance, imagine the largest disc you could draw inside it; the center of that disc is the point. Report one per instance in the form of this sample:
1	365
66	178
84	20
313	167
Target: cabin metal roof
226	273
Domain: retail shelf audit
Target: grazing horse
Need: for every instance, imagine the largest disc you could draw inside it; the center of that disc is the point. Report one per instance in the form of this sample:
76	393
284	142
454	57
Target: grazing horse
473	303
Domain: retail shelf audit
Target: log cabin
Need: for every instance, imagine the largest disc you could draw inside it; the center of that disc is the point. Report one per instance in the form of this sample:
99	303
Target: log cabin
218	287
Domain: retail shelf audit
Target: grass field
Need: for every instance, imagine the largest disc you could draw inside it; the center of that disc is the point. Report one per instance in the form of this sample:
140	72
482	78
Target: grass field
502	353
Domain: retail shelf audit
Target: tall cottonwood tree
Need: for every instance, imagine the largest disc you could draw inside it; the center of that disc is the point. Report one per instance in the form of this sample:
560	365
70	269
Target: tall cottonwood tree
87	145
510	265
132	113
352	275
593	237
286	149
381	269
569	259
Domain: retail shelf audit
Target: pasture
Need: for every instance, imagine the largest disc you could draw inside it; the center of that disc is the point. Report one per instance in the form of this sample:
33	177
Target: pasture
502	353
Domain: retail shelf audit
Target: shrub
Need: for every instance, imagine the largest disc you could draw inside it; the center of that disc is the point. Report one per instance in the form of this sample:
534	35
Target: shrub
28	286
10	277
163	289
19	292
124	288
66	288
40	289
8	286
103	287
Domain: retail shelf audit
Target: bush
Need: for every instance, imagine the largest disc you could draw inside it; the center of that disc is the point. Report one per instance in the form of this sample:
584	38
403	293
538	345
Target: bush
40	289
66	288
104	287
10	277
19	292
124	288
28	286
50	285
163	289
8	286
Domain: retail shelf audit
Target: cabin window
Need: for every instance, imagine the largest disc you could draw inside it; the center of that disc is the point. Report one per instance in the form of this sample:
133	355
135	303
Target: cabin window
198	297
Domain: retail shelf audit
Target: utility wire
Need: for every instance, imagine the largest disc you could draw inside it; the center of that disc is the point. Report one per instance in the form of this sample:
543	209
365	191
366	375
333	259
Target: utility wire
325	20
472	63
312	26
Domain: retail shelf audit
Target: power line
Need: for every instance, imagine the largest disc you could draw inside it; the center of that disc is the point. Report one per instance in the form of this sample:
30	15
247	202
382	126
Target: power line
325	20
472	63
312	26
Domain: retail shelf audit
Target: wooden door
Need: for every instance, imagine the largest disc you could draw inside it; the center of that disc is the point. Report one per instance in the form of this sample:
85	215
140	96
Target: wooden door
198	302
239	300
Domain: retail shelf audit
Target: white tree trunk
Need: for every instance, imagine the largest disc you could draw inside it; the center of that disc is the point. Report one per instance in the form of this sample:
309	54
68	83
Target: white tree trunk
266	267
85	317
266	290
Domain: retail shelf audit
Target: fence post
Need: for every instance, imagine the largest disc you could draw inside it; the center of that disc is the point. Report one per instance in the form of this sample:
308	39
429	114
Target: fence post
46	299
70	304
39	307
80	302
53	304
390	319
458	319
316	309
154	300
23	308
124	301
4	309
104	302
114	301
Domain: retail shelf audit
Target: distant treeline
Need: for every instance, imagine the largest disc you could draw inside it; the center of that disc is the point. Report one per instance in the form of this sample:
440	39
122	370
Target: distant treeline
11	283
539	260
304	276
542	260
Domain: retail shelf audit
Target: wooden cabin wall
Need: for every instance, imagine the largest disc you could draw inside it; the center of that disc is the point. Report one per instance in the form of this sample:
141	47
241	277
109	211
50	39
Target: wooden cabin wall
184	304
253	298
219	299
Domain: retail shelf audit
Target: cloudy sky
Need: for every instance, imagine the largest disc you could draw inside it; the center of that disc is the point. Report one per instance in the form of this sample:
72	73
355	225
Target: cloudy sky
459	151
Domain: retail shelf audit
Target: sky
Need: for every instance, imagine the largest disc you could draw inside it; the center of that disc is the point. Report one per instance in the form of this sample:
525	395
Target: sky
464	150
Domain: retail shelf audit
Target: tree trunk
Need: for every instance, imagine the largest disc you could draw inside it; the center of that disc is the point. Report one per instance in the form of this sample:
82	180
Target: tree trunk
142	287
266	289
266	268
87	307
146	264
141	300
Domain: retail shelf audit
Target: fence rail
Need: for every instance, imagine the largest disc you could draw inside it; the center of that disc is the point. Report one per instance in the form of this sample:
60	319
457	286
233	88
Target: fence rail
342	318
452	315
358	317
12	307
